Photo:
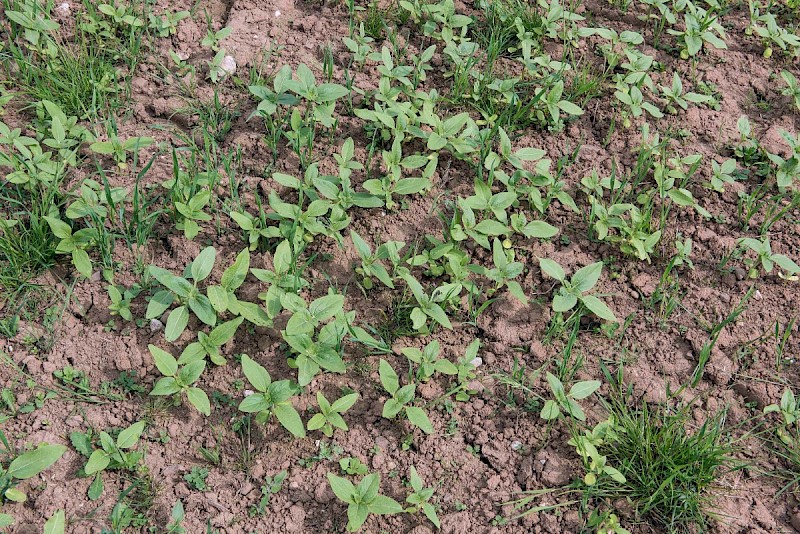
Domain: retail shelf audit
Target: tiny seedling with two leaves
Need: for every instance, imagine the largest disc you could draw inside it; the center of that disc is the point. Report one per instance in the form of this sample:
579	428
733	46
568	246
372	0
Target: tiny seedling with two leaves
575	289
271	398
401	399
362	499
180	376
330	414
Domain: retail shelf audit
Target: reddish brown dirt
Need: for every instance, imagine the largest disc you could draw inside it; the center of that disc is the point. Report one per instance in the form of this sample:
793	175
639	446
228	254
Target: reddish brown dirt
470	457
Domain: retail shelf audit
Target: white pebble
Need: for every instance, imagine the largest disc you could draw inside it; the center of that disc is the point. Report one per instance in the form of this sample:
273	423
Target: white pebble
228	65
477	362
156	325
277	13
516	445
248	392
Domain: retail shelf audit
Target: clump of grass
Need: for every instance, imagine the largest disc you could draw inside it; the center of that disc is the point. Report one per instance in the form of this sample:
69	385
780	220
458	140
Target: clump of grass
670	469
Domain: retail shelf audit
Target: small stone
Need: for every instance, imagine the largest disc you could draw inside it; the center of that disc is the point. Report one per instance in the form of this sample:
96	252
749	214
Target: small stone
228	65
246	488
156	325
740	273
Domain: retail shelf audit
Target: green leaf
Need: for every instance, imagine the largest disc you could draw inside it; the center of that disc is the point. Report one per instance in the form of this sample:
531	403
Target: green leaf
343	404
218	297
203	309
564	302
176	284
165	386
437	314
96	488
383	505
326	307
585	278
203	264
198	398
342	488
581	390
290	419
570	108
224	332
165	362
552	269
190	372
15	495
550	410
5	519
158	304
419	418
56	524
81	261
176	323
598	307
128	437
32	463
257	376
389	379
98	461
234	276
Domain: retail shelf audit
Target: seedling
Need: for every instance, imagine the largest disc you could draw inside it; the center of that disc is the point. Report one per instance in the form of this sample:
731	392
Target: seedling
722	174
272	485
121	301
792	88
186	293
428	361
112	454
353	466
166	24
177	516
574	290
179	377
420	497
401	399
563	400
788	408
119	149
363	499
429	306
191	212
767	260
22	467
369	261
271	398
213	38
196	478
330	415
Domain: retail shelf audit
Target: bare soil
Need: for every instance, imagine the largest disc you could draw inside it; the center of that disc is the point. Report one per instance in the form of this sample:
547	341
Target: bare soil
470	457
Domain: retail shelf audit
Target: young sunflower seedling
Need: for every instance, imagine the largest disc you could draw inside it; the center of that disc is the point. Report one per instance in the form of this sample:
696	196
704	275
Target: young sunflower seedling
179	377
574	290
563	400
428	361
186	293
330	414
792	88
362	499
419	499
401	399
767	260
112	454
271	398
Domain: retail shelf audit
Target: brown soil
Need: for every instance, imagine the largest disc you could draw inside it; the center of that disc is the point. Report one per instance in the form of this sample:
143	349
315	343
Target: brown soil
470	457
